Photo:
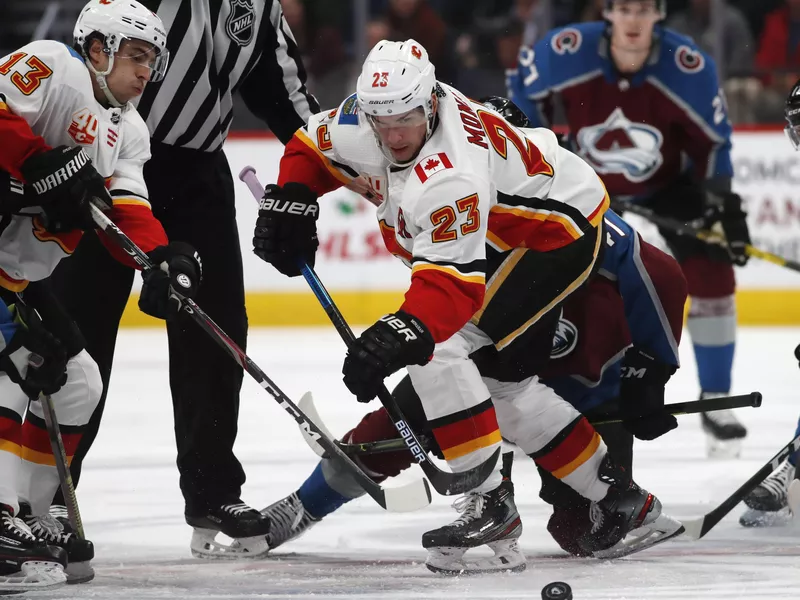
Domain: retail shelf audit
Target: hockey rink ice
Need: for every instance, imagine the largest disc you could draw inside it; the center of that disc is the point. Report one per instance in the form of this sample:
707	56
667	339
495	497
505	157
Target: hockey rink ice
133	511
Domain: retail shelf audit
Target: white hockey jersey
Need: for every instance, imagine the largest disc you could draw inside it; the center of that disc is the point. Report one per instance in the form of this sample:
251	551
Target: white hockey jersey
46	100
478	182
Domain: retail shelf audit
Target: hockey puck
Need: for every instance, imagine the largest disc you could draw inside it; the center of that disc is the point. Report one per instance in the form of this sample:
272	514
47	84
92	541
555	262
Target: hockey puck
558	590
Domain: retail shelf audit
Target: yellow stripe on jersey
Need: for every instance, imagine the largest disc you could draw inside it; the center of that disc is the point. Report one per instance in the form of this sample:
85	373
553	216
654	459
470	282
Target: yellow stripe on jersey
4	106
325	160
131	202
10	447
544	215
598	213
497	280
452	271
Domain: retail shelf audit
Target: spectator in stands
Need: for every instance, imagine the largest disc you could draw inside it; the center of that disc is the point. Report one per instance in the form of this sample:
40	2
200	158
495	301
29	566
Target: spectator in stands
734	52
778	58
592	11
417	20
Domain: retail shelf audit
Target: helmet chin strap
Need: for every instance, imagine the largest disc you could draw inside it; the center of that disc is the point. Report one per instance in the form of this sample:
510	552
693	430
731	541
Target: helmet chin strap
100	78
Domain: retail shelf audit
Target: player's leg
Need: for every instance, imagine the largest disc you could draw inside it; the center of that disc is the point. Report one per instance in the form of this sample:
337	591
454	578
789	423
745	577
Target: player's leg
93	289
204	380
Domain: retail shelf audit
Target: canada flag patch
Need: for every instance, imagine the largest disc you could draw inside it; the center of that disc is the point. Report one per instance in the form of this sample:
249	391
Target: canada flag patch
430	165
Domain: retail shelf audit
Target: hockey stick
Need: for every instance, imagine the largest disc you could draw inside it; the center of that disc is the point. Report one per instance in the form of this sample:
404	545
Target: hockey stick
60	456
410	497
697	528
444	482
701	234
752	399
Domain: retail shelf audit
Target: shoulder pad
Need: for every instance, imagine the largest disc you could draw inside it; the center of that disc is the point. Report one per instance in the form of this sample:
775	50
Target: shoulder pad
348	112
680	53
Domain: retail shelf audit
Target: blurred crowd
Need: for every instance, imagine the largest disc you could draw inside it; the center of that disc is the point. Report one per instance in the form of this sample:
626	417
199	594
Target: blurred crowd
472	42
756	43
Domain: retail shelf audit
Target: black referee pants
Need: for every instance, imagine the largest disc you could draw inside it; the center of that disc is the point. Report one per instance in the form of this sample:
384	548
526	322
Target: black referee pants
192	195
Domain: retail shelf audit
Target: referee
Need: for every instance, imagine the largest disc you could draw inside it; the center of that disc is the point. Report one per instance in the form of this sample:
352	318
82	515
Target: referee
216	48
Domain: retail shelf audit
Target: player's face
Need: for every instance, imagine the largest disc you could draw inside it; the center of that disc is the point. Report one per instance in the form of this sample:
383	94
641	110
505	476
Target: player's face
402	135
133	65
632	24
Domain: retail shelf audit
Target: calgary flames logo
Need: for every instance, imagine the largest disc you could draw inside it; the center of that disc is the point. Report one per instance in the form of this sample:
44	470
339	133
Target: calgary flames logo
416	52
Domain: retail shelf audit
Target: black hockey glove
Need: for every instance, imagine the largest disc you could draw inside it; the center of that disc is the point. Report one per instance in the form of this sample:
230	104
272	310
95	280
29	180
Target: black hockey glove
642	395
724	212
178	268
34	359
286	229
393	342
66	182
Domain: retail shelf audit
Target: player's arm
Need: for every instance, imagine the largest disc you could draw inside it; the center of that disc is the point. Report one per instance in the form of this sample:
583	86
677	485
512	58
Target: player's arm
275	89
652	287
448	282
529	84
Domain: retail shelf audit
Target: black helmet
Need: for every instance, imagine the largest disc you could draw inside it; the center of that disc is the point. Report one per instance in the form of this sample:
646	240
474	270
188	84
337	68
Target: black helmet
792	113
507	109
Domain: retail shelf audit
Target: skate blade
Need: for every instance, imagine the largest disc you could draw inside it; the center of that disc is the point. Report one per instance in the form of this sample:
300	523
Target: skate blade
659	530
204	545
33	575
79	572
723	449
449	561
752	518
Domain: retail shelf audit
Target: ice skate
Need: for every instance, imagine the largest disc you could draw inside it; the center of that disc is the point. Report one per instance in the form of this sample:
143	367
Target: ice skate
767	504
489	519
55	533
288	520
245	525
724	432
629	519
27	563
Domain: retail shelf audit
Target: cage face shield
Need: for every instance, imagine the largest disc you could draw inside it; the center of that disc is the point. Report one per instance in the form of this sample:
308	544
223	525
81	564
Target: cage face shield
792	114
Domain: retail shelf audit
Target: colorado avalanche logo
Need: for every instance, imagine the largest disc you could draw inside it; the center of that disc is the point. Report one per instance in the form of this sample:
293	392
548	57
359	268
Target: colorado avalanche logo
565	339
567	41
241	22
621	146
688	60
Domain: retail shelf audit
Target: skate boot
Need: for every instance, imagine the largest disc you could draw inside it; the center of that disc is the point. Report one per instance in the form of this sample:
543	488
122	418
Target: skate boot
50	529
244	524
724	432
490	519
26	562
768	504
288	519
629	519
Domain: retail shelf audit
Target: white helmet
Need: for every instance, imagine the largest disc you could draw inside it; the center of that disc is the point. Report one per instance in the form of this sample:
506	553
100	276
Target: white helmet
396	78
118	20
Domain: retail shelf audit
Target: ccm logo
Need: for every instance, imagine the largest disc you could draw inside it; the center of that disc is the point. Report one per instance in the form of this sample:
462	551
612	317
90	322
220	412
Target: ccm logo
300	420
633	373
399	326
293	208
408	438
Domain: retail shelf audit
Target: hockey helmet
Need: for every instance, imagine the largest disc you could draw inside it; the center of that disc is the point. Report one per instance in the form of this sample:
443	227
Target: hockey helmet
792	114
508	110
397	77
116	21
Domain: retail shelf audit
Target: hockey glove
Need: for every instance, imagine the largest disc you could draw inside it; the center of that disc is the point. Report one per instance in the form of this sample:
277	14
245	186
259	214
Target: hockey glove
393	342
286	230
177	269
723	213
34	359
642	395
65	181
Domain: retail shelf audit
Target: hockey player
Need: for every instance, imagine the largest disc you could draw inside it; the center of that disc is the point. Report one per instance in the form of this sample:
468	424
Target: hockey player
479	210
768	503
638	99
634	304
69	137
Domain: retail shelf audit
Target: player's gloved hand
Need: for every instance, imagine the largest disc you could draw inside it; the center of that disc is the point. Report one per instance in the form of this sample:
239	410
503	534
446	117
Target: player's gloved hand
642	395
65	182
177	269
286	230
34	358
723	213
393	342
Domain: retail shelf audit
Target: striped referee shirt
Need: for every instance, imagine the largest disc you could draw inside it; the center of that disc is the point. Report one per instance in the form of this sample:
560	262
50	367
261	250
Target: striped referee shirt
218	47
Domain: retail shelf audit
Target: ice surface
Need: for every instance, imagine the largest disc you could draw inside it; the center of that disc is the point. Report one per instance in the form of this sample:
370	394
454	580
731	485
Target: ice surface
133	510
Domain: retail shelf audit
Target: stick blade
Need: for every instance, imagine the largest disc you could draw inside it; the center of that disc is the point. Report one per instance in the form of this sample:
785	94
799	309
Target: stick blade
794	496
460	482
412	496
306	404
693	528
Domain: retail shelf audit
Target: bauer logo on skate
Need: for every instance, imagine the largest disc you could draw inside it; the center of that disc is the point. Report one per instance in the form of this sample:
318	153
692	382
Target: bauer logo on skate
619	145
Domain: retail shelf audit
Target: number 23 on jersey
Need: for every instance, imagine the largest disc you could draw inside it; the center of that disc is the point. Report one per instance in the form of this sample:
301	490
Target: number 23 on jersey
445	218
